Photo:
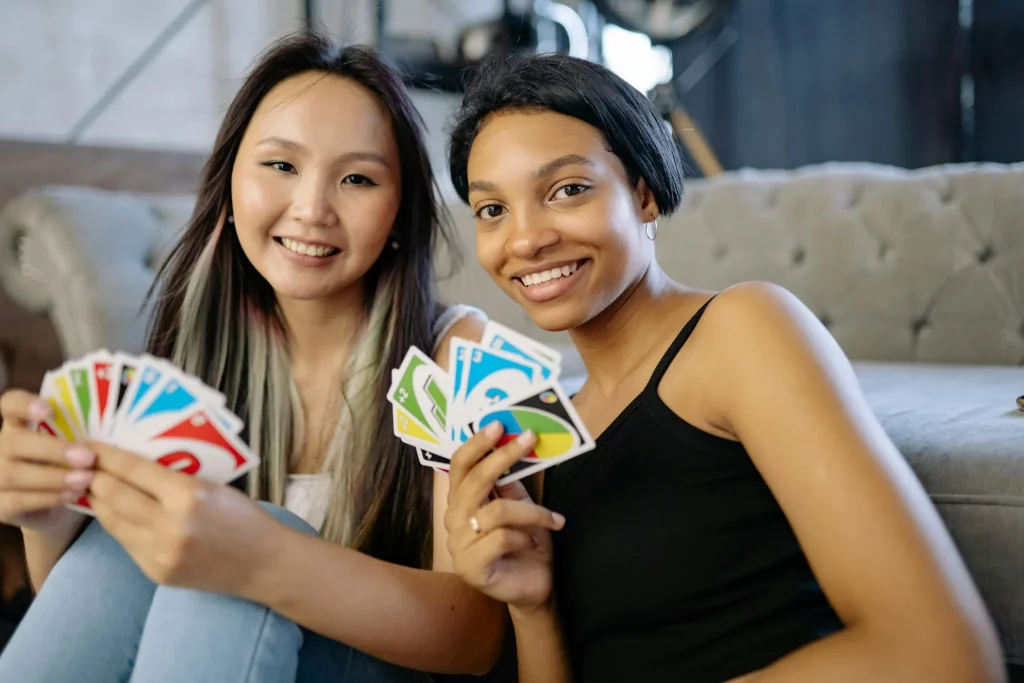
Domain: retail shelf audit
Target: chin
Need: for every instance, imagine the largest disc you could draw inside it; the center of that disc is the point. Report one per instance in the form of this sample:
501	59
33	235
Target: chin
555	318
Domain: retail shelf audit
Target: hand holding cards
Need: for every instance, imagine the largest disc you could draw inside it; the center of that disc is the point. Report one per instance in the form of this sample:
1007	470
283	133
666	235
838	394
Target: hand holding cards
506	378
147	406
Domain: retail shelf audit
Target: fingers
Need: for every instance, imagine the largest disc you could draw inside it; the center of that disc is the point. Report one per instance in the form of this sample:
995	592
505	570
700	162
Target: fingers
119	498
21	407
497	544
144	475
516	513
20	502
479	481
502	514
470	453
28	476
21	444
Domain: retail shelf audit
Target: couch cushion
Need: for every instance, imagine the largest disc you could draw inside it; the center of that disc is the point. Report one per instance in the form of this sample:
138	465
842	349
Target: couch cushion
960	430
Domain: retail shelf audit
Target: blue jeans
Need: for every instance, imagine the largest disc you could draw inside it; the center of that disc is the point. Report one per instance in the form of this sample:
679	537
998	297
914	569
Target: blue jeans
99	619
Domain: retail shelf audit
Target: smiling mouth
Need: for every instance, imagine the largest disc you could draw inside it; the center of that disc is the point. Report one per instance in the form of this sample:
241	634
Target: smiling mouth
542	276
305	248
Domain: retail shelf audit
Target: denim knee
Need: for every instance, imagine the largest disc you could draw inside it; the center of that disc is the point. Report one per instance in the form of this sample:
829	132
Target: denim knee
288	518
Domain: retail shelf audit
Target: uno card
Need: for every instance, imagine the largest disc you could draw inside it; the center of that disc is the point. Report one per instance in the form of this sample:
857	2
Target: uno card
437	461
83	395
56	390
547	411
196	444
501	338
101	370
173	394
490	377
421	392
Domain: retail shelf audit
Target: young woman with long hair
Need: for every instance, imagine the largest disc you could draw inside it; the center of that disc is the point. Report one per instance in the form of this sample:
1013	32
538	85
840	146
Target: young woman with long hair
743	515
303	276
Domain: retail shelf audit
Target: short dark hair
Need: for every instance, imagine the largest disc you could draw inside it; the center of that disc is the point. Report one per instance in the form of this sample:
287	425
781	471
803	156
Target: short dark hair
583	90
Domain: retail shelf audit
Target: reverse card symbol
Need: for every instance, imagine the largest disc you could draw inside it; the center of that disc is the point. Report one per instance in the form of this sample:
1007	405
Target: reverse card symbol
495	394
180	461
438	401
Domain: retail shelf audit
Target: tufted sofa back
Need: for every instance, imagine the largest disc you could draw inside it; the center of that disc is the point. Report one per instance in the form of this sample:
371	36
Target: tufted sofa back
902	265
921	265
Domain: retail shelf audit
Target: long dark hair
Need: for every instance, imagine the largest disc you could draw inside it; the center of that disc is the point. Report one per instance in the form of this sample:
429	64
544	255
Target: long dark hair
216	317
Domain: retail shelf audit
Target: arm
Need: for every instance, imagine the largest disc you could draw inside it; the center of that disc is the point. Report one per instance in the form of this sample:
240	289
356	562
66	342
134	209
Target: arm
871	535
540	648
44	548
213	538
420	619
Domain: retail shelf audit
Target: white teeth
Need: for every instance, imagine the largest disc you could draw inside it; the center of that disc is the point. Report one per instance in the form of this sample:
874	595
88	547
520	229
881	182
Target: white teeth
537	278
307	249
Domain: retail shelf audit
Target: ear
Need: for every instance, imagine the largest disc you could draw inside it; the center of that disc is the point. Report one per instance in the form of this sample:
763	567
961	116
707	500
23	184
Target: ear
646	203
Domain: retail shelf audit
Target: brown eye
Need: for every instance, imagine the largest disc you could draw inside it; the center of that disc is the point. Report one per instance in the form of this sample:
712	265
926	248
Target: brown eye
282	166
570	190
490	211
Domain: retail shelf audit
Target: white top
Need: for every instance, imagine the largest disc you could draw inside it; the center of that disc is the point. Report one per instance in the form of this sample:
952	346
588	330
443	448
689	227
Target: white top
307	495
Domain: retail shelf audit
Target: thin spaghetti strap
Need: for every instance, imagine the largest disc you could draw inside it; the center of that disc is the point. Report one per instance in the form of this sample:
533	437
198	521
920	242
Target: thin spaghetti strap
677	344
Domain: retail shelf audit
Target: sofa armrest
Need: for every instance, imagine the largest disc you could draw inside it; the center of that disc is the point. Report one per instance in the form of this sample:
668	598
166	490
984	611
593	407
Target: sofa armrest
86	257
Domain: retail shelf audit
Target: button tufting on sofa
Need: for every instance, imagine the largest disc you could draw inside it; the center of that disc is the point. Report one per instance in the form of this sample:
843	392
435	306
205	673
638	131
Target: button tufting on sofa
799	255
986	254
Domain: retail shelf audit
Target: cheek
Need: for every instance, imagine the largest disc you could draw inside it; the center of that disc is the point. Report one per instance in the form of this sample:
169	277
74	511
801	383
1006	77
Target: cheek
256	202
369	220
489	250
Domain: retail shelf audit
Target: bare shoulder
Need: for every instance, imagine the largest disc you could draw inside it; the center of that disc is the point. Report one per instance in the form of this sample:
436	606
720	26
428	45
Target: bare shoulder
753	339
758	325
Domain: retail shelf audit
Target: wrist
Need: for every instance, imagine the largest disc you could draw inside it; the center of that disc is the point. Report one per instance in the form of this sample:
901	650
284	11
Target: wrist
526	614
260	580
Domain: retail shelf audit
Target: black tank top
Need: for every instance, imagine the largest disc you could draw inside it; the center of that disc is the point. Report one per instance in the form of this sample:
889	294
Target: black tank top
676	563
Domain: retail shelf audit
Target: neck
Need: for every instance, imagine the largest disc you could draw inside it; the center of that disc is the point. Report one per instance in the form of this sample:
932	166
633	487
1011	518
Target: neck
623	331
322	333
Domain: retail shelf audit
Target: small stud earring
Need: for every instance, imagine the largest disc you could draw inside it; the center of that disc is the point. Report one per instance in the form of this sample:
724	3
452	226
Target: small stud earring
651	229
231	220
394	244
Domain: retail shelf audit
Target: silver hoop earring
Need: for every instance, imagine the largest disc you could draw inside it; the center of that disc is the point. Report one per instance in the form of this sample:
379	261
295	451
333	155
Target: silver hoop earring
650	231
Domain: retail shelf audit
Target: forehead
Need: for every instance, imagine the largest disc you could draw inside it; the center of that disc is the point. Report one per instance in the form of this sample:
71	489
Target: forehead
324	111
518	142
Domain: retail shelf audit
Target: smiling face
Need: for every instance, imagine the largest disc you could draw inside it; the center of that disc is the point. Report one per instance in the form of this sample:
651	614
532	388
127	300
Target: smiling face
559	224
315	186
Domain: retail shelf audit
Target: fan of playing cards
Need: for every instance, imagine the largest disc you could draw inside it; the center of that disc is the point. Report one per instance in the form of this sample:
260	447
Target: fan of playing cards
150	407
507	378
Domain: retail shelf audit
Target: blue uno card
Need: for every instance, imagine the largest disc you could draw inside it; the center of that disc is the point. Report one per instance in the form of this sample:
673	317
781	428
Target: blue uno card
488	377
175	395
500	343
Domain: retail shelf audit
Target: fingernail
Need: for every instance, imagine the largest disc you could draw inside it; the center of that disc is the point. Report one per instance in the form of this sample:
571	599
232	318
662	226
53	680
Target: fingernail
559	519
79	479
493	429
536	540
40	410
525	438
80	456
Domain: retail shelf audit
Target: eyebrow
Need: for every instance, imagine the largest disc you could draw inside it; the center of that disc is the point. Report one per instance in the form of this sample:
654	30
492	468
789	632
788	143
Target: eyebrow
299	147
545	170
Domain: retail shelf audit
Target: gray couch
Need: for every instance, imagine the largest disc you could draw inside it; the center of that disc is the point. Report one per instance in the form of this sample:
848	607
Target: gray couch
918	274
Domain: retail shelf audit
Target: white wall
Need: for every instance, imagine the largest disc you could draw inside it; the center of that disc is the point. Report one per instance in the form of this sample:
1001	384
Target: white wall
58	57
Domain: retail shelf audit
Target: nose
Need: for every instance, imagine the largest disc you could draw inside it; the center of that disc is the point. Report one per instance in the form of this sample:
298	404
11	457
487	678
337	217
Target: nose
531	234
312	203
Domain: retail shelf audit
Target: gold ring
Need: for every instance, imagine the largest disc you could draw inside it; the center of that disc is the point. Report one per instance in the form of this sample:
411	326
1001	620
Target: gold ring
474	524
